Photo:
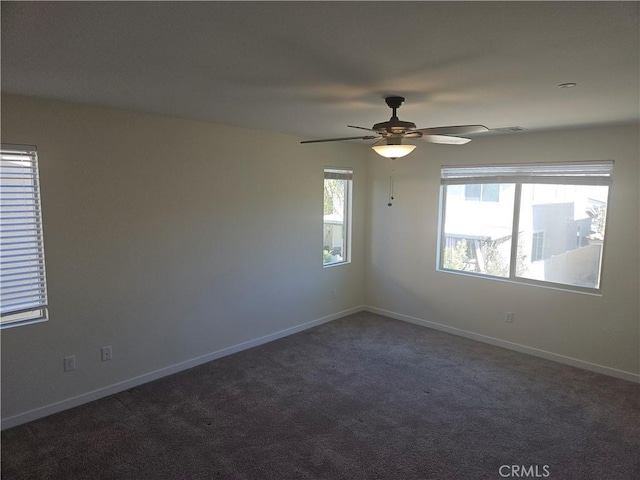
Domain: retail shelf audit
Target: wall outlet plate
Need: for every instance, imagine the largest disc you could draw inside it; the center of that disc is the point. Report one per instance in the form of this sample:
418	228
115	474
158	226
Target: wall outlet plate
69	363
107	354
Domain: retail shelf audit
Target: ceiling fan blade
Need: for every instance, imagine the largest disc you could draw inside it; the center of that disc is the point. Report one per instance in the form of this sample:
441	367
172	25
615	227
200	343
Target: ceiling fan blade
453	130
366	137
362	128
446	140
413	134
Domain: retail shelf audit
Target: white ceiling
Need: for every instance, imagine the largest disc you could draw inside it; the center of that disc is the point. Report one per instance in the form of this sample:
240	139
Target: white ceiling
311	68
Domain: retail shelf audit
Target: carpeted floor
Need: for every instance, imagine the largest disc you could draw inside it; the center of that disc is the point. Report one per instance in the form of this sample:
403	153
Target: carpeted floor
364	397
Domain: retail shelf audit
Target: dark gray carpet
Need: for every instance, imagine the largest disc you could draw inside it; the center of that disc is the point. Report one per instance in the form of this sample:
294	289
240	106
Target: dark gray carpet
364	397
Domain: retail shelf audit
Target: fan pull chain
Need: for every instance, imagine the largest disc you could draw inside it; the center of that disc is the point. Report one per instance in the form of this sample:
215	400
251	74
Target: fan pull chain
393	171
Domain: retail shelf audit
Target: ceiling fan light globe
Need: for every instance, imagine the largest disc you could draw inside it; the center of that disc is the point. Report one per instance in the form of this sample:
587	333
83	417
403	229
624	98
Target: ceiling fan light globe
393	151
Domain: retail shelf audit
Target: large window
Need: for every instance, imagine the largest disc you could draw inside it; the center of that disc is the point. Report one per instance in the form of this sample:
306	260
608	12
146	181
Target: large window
22	276
337	216
540	223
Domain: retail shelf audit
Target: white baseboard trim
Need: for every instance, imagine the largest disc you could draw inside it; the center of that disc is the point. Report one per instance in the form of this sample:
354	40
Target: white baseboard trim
81	399
574	362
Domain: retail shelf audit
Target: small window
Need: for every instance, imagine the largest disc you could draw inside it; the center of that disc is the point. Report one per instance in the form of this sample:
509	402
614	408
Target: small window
336	241
540	224
23	285
537	250
477	192
472	192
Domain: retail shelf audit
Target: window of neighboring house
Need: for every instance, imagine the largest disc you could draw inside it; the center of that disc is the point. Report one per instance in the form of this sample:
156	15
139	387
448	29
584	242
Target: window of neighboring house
482	193
539	224
537	242
336	241
22	272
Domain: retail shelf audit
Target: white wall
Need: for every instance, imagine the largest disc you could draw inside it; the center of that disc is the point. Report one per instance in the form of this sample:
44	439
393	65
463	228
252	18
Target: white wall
402	279
169	240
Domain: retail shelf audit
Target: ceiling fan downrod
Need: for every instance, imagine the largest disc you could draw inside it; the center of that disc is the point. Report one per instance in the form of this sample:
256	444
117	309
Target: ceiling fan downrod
394	103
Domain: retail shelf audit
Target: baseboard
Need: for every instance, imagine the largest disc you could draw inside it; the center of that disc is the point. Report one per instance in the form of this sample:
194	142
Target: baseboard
574	362
78	400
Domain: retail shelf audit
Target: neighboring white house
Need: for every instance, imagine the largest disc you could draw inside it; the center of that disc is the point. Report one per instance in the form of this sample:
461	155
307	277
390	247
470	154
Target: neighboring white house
334	235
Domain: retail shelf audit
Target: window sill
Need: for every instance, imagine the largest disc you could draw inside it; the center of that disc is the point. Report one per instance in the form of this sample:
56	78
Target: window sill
337	264
531	283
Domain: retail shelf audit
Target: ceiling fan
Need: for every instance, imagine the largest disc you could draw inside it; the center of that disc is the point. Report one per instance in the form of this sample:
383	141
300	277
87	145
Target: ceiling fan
391	133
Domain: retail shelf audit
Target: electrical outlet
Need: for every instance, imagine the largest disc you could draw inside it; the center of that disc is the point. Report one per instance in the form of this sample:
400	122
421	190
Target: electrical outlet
333	293
106	353
69	363
508	317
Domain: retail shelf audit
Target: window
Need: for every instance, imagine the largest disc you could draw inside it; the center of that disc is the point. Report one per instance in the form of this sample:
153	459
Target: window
22	273
336	244
482	193
540	224
536	246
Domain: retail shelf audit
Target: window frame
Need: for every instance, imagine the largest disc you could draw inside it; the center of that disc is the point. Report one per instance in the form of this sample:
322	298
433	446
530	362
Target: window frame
348	209
35	285
598	173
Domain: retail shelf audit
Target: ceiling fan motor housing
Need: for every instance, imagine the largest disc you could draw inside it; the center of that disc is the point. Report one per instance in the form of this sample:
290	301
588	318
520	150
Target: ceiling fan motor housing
394	139
394	126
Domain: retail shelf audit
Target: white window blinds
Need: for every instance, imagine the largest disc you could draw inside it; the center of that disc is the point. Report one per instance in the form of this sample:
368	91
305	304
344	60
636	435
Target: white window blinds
22	271
579	173
338	174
